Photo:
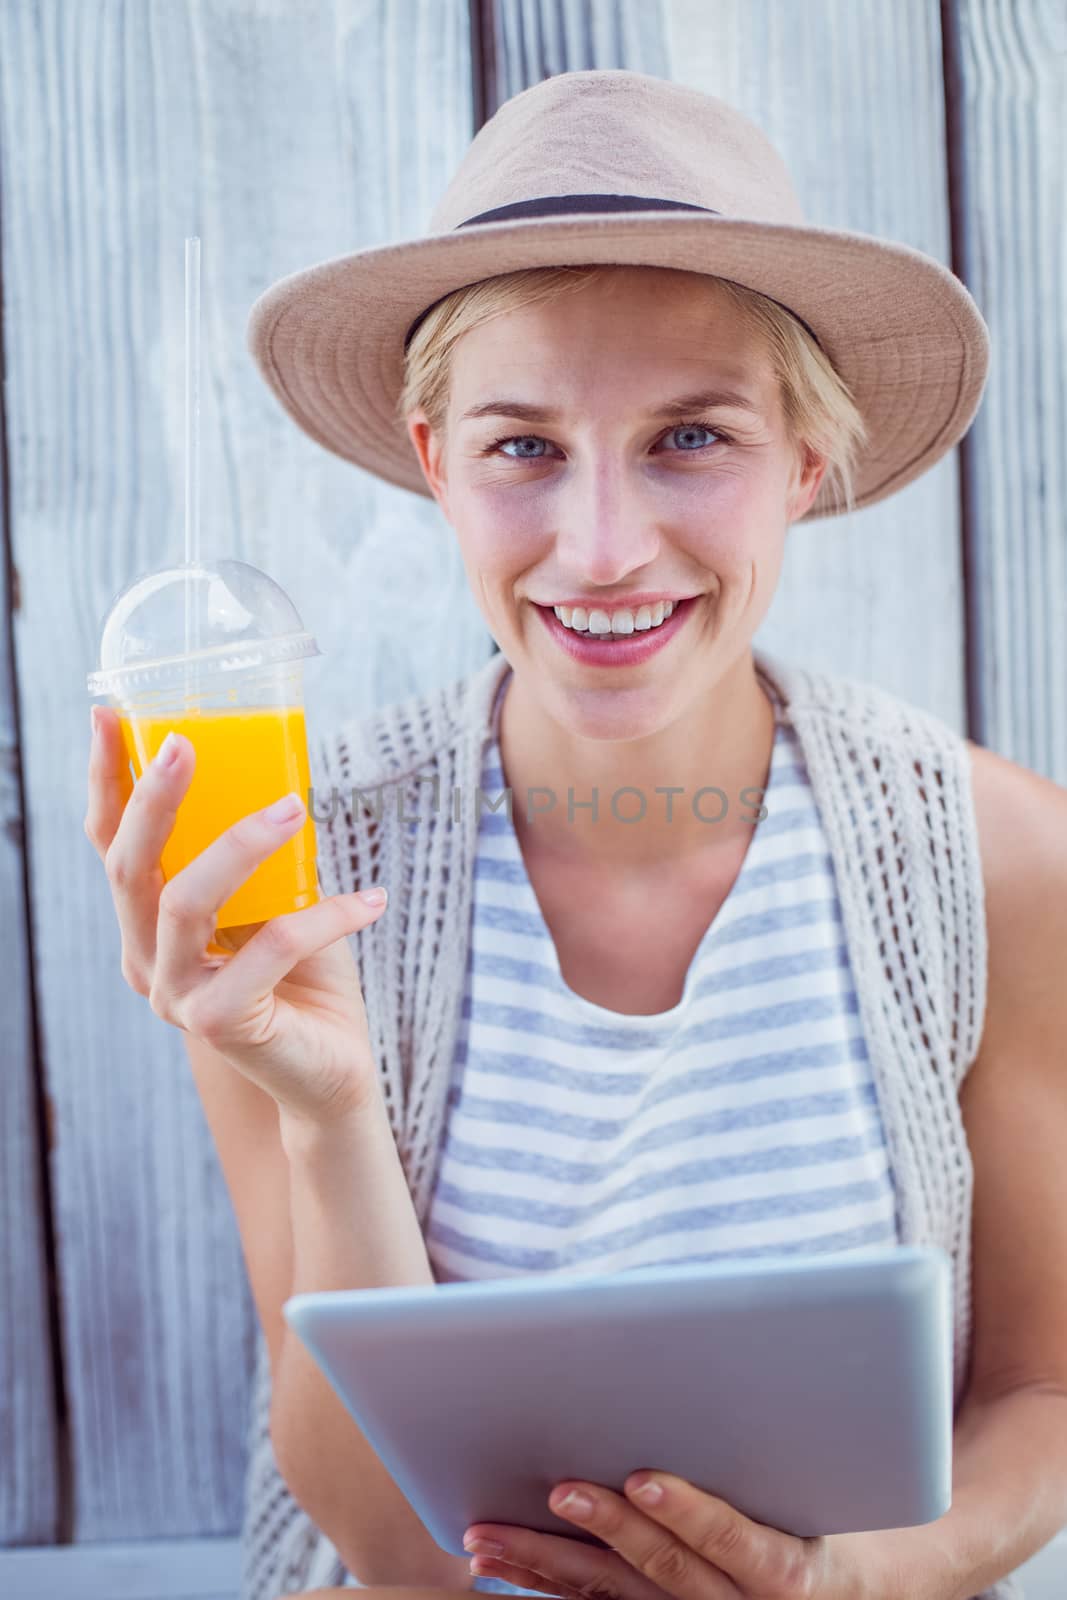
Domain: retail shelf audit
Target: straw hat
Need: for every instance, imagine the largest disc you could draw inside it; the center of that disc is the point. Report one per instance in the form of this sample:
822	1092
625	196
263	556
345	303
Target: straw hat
618	166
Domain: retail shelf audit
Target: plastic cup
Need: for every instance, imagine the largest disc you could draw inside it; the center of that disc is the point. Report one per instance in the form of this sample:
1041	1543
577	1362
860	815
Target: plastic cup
216	653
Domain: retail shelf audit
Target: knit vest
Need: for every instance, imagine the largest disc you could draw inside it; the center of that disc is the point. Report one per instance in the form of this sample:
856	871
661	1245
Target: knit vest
396	801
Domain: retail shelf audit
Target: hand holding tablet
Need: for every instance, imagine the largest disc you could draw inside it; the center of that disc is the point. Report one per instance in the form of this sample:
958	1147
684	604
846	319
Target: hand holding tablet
813	1394
688	1544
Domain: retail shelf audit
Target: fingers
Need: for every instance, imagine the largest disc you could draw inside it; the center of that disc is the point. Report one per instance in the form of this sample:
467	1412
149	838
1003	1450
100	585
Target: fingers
110	783
523	1578
687	1534
534	1560
190	902
234	1008
133	840
655	1554
571	1572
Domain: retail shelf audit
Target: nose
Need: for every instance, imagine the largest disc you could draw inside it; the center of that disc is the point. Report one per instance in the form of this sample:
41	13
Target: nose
606	528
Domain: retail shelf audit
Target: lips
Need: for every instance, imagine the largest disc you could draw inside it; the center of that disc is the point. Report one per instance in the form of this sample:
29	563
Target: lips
624	650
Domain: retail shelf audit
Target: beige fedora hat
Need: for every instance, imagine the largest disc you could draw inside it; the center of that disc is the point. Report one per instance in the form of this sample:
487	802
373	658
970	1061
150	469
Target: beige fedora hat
621	167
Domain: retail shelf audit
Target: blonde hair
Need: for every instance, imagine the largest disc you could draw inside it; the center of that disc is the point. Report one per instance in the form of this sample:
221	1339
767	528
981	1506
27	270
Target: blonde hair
820	414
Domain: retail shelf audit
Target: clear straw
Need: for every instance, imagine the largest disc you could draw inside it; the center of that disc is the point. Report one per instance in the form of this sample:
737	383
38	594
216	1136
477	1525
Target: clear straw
192	446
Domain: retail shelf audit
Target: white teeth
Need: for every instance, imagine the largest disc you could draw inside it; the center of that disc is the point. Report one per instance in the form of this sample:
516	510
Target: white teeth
602	622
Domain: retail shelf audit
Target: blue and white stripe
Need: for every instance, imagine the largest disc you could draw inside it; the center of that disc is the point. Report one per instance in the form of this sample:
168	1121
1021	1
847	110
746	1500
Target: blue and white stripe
741	1123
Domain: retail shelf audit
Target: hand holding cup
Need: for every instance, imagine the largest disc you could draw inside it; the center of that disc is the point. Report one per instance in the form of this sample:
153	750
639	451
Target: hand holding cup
286	1009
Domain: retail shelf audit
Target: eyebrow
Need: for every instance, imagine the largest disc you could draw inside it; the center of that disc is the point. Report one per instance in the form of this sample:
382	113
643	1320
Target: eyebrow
700	400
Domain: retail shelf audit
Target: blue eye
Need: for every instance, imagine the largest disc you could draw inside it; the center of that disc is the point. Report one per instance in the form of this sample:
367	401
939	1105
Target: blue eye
692	427
522	438
536	439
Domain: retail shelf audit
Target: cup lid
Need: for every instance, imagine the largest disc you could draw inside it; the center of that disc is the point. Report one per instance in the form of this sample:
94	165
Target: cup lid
179	624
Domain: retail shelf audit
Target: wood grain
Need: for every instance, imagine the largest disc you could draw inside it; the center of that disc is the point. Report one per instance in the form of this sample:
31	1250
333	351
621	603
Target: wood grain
1012	64
157	1569
282	135
30	1479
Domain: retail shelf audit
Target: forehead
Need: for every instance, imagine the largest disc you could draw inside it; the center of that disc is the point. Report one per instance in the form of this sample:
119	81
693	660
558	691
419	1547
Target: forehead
670	332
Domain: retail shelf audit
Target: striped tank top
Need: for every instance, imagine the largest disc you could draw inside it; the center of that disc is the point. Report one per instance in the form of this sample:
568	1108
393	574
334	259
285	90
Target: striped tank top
741	1123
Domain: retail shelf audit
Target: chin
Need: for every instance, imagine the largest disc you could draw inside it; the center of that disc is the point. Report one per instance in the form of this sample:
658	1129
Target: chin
608	713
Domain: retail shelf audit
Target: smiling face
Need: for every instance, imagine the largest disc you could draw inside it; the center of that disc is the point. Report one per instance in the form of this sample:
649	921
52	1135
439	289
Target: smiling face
605	492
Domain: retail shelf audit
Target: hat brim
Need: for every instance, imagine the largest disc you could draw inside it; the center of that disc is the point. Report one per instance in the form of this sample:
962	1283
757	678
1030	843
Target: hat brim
901	330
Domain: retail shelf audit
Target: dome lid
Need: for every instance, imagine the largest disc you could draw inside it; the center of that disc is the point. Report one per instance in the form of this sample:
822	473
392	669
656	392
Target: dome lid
191	622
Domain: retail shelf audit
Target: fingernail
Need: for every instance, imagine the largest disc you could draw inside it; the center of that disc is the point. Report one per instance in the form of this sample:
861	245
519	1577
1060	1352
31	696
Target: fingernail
576	1504
483	1547
167	753
373	897
285	809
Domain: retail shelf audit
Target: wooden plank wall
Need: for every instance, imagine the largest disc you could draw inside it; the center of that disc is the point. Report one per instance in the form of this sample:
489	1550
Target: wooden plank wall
284	134
1008	77
281	135
30	1478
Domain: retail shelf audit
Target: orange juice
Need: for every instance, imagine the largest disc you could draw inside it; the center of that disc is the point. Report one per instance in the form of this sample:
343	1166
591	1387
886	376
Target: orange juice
245	760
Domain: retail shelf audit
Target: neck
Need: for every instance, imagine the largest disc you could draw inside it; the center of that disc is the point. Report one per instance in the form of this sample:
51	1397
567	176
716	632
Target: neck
722	739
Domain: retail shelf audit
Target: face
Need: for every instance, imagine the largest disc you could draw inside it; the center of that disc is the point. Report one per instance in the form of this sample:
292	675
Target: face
607	502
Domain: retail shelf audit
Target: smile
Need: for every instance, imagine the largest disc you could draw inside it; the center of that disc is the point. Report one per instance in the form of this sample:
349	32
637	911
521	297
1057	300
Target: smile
617	649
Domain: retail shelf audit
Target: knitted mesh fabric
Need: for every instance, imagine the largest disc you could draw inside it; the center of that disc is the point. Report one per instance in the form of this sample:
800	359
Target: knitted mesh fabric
892	784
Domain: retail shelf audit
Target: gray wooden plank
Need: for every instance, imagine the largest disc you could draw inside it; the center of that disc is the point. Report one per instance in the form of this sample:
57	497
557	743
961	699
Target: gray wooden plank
877	594
1013	67
29	1482
281	135
148	1569
536	38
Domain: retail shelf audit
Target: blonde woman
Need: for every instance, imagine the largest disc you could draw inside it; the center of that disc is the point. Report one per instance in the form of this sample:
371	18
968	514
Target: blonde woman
755	959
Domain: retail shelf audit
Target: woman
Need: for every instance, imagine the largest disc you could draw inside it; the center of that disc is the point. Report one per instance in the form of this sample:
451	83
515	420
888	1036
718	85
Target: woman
766	1006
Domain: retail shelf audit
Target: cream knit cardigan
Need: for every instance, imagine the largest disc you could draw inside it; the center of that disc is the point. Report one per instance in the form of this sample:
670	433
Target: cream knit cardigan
892	786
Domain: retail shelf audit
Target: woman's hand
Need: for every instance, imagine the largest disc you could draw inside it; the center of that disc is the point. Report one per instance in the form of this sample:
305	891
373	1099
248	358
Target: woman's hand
286	1009
691	1545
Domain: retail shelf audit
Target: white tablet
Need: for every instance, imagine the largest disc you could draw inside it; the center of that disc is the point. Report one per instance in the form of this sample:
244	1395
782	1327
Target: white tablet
814	1393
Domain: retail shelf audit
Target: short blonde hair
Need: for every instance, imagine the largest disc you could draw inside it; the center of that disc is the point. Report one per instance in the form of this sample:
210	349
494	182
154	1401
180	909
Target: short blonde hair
820	414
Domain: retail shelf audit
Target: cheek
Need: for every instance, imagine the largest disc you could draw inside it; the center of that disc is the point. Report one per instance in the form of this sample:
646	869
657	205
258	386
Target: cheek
500	533
722	504
733	521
